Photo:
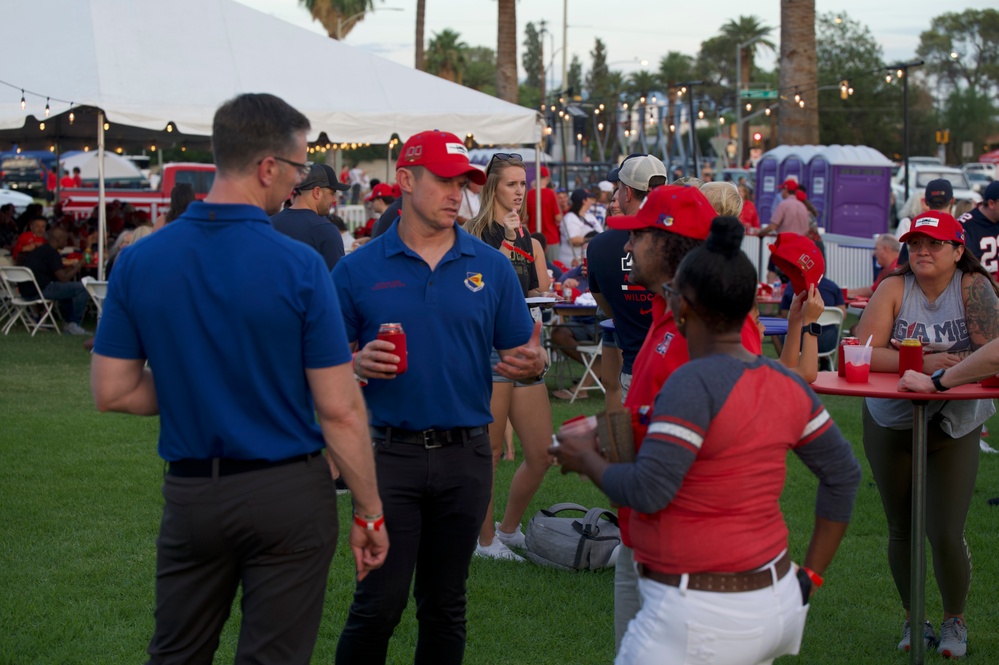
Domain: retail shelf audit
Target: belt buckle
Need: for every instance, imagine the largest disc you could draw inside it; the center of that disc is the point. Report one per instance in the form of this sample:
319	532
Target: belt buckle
428	440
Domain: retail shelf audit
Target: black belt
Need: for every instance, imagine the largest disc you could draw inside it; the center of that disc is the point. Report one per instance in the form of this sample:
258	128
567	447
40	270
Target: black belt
723	582
204	468
428	438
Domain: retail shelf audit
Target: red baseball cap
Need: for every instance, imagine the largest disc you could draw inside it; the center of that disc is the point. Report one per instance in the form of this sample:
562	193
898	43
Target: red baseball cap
800	259
380	190
680	209
545	172
937	225
396	190
790	185
800	195
441	153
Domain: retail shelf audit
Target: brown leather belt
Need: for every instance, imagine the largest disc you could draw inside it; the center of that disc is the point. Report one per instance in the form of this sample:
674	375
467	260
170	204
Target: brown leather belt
723	582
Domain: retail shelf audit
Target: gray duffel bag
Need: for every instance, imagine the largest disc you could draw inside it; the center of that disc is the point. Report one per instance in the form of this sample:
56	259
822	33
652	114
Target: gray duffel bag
573	543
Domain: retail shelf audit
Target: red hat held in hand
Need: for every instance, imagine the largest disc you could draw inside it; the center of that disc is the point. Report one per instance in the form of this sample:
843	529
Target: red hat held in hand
800	259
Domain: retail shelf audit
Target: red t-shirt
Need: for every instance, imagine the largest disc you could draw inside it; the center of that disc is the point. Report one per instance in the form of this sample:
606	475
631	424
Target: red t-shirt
26	238
884	273
749	218
663	351
67	181
549	208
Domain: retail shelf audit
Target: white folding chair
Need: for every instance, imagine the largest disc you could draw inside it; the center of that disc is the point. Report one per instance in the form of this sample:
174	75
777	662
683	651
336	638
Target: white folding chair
590	353
13	277
98	291
831	316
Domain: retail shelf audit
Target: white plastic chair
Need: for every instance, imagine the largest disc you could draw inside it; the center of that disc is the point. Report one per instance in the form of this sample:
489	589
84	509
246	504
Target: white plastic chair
98	291
12	277
831	316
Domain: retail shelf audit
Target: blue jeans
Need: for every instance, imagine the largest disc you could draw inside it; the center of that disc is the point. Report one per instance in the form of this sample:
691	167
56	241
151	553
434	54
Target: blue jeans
72	298
434	501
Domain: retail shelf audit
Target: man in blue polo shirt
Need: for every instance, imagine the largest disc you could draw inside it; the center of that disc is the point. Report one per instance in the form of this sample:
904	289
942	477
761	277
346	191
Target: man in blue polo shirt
246	346
457	299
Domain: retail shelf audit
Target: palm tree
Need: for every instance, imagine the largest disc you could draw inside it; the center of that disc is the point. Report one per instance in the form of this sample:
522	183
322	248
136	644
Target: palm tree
335	15
446	55
747	29
798	74
506	51
674	67
421	12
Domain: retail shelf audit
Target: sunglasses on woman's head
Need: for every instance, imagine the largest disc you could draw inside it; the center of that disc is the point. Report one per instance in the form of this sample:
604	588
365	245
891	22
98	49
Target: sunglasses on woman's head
502	157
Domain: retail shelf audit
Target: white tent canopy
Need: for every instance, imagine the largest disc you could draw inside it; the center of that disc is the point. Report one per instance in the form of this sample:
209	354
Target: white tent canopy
116	167
146	64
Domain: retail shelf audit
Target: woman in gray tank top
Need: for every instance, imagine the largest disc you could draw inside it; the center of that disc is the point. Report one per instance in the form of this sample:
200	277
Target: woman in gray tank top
943	297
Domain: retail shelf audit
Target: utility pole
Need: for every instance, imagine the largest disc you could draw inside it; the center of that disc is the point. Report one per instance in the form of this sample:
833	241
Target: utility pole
902	71
565	40
541	58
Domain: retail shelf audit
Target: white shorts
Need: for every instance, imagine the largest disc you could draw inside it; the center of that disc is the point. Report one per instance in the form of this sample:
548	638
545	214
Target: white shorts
687	627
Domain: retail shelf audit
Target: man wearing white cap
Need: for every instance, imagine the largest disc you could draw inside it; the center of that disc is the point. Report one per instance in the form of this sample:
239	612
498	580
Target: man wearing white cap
605	191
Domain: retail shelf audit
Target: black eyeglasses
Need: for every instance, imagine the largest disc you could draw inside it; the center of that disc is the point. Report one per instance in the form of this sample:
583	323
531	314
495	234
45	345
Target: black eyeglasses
669	291
502	157
303	169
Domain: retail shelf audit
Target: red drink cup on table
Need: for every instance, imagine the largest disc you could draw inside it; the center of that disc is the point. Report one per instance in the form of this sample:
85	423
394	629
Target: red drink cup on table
840	365
910	356
857	363
392	332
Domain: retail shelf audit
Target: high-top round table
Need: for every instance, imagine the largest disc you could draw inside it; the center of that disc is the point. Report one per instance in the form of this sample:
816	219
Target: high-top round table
885	384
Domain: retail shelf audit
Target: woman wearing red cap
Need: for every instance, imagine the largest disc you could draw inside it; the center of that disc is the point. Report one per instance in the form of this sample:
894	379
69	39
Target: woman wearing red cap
499	224
943	297
715	574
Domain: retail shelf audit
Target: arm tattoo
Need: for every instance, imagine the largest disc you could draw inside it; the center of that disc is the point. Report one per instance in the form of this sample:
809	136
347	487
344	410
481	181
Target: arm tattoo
981	312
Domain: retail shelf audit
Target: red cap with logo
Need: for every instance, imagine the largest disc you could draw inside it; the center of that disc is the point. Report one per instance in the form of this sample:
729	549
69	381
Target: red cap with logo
680	209
800	259
380	190
937	225
441	153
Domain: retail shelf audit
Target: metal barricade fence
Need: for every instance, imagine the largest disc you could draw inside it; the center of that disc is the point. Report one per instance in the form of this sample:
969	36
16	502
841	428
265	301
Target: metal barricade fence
849	260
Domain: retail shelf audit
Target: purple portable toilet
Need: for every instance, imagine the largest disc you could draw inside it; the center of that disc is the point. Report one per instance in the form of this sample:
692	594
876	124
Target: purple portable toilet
853	184
768	179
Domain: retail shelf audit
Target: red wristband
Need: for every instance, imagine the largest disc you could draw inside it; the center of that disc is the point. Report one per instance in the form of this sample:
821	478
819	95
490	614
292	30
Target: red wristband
814	576
370	525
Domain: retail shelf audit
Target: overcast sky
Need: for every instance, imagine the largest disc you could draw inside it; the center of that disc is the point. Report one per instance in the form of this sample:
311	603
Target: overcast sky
645	31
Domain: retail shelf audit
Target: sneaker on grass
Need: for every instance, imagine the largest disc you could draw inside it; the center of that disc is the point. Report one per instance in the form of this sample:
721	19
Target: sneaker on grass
929	637
497	550
953	638
73	328
515	539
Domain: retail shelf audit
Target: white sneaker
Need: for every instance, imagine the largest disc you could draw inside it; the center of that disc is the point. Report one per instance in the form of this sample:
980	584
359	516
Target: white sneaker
515	539
73	328
496	551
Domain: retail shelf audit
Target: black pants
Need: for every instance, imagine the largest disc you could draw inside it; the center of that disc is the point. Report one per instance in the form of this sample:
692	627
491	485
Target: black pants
274	532
435	501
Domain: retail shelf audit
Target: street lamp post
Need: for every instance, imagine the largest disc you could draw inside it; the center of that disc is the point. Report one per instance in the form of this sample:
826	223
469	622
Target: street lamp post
738	95
693	126
903	73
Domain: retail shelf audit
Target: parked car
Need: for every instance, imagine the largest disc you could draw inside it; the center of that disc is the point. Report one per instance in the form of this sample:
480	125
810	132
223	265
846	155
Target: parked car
978	181
991	171
922	174
19	199
733	175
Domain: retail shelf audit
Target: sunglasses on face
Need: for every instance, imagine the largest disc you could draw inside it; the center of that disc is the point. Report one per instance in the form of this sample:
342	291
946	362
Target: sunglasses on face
502	157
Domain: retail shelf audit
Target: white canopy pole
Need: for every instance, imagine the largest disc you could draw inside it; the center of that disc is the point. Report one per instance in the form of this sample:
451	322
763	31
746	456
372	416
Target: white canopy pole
101	214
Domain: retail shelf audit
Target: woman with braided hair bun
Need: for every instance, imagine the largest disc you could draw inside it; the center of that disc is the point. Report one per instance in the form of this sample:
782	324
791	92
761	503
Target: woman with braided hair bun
713	579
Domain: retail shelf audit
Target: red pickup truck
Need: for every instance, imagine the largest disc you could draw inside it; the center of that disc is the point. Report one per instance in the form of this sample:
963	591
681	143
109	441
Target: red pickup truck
80	202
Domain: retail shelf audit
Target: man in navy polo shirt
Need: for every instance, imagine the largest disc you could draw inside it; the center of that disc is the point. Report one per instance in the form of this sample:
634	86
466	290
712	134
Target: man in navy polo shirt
629	304
245	342
457	299
307	219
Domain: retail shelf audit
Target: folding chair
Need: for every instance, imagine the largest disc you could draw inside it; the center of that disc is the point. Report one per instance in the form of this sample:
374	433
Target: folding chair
98	291
828	344
13	277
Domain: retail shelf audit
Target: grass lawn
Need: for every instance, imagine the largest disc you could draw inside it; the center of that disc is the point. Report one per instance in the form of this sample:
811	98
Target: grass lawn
80	506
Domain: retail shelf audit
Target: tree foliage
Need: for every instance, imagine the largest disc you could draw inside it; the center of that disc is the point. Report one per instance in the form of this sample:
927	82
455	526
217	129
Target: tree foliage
597	82
962	49
574	77
480	69
334	14
446	55
533	66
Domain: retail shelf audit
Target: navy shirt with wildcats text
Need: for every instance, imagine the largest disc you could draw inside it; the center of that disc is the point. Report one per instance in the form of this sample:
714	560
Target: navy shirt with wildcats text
609	266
